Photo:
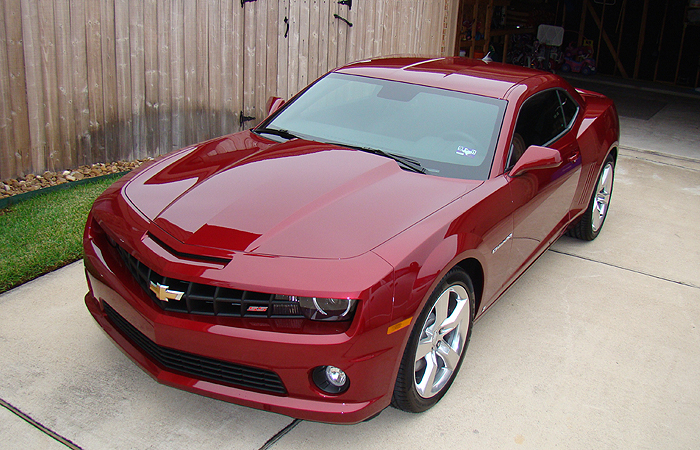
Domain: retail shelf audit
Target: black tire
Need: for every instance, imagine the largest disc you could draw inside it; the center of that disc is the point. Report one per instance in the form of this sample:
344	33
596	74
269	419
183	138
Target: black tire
407	396
588	226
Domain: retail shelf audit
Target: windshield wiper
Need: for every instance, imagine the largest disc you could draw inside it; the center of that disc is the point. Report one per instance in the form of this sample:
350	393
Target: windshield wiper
276	132
404	161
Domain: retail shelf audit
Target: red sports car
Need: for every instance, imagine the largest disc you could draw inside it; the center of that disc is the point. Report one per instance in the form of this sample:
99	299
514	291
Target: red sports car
332	261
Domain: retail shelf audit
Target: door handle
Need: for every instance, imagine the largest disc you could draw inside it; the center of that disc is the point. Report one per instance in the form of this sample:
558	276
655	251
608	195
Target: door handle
574	157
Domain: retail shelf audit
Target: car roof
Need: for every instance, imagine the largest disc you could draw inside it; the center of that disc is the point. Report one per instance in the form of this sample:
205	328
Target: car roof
473	76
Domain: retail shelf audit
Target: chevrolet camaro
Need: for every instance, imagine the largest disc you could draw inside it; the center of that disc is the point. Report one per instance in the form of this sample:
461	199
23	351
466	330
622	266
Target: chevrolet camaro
332	261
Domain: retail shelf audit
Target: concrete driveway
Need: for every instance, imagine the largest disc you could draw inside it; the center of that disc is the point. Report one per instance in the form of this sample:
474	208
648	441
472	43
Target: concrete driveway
596	346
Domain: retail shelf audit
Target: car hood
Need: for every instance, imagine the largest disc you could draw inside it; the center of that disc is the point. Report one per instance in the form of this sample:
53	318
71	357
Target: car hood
244	193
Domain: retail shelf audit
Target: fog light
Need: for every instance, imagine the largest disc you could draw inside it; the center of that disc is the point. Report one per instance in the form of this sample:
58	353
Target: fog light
336	376
330	379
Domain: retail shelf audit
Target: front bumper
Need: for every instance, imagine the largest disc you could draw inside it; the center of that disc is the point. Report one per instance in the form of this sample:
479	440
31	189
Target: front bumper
368	355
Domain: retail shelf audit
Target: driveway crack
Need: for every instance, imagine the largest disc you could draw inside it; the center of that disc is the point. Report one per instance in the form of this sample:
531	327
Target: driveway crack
36	424
270	442
682	283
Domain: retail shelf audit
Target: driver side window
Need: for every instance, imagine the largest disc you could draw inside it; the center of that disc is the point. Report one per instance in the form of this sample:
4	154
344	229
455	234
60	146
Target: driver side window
541	120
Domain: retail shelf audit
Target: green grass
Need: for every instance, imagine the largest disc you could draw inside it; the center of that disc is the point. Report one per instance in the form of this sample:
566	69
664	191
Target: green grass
44	233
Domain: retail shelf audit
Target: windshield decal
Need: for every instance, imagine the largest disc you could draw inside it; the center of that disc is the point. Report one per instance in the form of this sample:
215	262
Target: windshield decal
466	151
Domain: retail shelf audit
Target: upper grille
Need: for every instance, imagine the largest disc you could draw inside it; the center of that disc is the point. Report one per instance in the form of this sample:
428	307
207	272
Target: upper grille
199	366
199	298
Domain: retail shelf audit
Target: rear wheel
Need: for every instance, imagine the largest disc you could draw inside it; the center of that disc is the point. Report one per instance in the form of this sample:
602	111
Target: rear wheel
437	344
589	225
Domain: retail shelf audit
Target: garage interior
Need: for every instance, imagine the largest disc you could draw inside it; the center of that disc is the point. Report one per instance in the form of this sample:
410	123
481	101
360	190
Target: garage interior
651	41
643	54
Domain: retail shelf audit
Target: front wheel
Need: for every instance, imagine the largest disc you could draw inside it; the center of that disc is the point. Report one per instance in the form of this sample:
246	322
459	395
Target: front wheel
589	225
437	344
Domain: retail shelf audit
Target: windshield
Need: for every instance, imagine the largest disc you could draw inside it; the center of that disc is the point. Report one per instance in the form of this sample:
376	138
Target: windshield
451	134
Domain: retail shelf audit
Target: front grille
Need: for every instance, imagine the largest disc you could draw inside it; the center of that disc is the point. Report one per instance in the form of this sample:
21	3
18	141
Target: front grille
197	298
199	366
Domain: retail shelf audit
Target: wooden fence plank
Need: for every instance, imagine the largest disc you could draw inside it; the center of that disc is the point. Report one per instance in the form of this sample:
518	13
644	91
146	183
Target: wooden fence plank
215	101
423	18
260	69
201	77
369	27
415	21
385	22
342	33
379	26
239	56
178	73
226	121
425	24
404	32
190	80
21	152
122	60
110	111
324	18
37	134
94	143
138	85
7	141
304	45
294	45
283	50
314	70
80	95
47	45
248	68
434	29
163	8
416	17
394	27
274	28
358	34
64	85
151	78
333	35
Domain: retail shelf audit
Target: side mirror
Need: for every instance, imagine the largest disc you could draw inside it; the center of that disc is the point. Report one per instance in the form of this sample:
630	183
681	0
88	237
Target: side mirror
273	104
536	157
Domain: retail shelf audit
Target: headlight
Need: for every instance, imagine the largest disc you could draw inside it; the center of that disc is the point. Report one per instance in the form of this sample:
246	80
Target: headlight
328	309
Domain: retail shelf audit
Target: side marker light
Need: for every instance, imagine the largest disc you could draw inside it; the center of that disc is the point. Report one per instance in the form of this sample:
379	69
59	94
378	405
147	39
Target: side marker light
398	326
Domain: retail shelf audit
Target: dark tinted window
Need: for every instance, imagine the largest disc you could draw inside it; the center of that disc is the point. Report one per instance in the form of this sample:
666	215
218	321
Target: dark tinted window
542	118
569	106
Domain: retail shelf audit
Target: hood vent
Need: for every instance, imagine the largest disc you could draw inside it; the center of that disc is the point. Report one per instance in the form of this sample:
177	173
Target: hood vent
189	256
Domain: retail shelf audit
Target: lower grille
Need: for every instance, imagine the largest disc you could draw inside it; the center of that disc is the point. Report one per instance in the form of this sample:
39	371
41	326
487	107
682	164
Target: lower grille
199	366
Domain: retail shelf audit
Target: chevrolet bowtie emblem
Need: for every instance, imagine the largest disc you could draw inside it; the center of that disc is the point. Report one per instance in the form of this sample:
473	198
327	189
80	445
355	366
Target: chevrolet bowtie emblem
164	294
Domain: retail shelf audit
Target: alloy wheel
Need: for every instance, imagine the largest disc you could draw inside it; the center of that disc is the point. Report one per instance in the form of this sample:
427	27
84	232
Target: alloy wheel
441	341
602	197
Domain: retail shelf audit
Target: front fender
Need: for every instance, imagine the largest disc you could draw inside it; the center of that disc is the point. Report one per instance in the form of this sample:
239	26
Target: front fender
441	260
421	271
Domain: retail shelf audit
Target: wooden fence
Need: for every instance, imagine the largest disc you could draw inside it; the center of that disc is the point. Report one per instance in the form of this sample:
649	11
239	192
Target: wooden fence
85	81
